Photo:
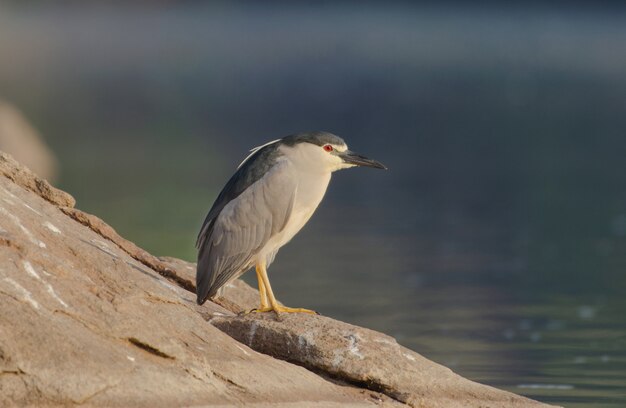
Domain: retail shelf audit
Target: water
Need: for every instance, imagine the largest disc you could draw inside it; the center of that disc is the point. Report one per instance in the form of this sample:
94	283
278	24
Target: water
496	242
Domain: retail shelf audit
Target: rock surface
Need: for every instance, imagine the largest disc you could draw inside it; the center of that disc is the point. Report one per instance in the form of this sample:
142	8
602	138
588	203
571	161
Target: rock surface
87	317
365	358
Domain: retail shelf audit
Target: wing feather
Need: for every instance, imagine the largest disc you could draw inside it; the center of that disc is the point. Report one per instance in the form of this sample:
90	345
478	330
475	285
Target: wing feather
243	227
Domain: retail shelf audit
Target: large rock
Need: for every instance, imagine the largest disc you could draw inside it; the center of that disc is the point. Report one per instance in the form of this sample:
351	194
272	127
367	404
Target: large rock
87	317
366	358
81	321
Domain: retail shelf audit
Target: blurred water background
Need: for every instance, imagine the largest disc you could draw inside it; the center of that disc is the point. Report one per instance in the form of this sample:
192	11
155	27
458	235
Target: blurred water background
496	242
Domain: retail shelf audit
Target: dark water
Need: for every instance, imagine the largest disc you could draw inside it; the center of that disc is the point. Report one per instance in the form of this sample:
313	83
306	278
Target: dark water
496	242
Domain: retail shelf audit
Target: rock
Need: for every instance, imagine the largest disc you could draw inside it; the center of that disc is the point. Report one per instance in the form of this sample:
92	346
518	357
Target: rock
236	296
363	357
87	317
106	231
83	322
23	177
22	141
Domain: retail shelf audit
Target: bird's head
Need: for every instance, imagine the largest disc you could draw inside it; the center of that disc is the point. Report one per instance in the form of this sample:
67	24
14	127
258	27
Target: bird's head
324	151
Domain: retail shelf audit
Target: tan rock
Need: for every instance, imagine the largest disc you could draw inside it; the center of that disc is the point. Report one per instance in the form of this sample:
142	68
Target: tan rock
87	317
363	357
23	177
82	322
237	296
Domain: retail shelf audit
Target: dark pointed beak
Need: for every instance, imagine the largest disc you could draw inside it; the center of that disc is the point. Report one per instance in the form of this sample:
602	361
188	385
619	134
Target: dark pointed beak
358	160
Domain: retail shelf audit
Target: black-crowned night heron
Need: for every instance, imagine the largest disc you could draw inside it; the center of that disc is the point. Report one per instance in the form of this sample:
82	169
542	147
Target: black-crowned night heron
273	193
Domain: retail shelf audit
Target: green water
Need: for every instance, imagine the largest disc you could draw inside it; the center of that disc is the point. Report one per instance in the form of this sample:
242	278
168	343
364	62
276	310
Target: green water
496	242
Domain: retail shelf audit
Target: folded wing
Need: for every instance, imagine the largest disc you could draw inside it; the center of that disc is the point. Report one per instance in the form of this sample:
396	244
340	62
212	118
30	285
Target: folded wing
230	241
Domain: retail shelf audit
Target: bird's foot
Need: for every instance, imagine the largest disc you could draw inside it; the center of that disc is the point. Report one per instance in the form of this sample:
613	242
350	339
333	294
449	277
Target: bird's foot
285	309
282	309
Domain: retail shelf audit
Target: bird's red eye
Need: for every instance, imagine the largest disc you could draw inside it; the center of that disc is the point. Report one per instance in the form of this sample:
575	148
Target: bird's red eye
328	148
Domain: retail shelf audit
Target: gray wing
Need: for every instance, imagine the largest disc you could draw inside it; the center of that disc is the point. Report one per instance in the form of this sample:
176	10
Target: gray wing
243	227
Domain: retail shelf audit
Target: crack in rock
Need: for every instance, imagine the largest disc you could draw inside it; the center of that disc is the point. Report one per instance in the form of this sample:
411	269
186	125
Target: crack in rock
150	349
95	394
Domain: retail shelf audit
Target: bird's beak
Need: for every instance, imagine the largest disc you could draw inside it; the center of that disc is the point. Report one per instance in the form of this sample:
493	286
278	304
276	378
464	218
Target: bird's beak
358	160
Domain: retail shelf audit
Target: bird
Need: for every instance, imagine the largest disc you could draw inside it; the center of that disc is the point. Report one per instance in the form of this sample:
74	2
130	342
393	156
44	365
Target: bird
270	197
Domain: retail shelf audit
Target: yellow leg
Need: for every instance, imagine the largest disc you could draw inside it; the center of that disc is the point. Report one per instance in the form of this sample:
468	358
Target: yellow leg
267	290
262	291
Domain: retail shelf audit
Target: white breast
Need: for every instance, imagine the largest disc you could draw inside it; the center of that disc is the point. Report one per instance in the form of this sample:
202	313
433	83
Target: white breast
312	185
310	192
